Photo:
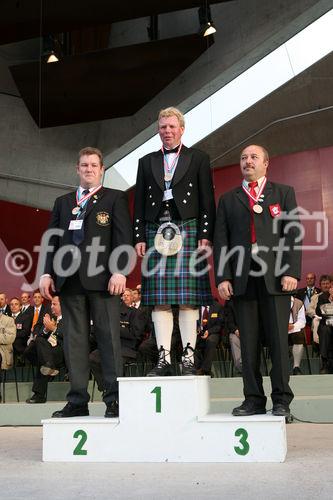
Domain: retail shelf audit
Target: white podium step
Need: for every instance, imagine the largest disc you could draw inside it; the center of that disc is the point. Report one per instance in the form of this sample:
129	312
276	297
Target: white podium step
165	419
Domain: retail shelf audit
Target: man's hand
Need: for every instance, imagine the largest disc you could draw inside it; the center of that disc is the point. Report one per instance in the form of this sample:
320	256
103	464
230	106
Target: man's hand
49	324
205	335
225	290
117	284
288	283
204	244
46	287
140	249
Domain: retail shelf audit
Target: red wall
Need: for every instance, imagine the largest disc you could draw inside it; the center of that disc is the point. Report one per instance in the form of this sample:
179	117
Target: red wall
310	172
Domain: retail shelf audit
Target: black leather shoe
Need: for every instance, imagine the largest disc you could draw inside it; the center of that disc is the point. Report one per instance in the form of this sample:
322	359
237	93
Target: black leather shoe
112	410
71	410
35	399
297	371
280	410
248	408
187	361
163	368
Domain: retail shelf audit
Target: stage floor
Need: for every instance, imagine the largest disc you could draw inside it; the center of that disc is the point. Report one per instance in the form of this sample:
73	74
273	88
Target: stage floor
306	474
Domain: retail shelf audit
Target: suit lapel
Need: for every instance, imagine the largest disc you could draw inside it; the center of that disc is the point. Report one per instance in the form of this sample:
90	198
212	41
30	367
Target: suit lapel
94	201
243	198
183	164
267	192
157	168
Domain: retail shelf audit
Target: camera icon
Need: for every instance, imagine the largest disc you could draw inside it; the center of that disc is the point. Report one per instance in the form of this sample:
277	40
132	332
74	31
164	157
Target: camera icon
310	229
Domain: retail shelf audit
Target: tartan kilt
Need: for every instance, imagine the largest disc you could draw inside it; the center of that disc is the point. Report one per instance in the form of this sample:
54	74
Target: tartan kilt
173	282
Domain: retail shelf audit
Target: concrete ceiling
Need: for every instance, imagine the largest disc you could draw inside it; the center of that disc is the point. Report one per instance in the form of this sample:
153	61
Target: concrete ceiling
293	118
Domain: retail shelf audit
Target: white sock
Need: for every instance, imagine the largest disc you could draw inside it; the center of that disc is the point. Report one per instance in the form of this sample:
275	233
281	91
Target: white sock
297	354
188	328
163	324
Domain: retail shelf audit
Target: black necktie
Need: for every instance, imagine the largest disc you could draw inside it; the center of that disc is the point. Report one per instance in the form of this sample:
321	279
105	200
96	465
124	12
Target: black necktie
174	150
78	234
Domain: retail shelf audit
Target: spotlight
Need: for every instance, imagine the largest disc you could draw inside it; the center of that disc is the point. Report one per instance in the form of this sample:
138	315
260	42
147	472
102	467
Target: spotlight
205	19
52	50
52	57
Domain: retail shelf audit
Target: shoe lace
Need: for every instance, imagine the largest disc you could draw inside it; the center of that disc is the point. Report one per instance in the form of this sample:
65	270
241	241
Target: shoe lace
187	356
162	353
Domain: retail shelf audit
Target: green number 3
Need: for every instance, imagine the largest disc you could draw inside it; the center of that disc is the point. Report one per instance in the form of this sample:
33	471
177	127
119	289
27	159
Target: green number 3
243	435
78	450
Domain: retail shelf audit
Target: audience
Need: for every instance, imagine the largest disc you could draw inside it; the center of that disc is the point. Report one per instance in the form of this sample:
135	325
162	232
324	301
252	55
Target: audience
7	337
4	307
23	322
232	331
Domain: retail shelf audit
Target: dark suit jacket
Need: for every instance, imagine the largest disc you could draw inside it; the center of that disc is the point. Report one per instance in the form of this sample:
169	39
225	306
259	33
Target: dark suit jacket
215	321
7	311
233	230
192	190
107	217
301	293
23	326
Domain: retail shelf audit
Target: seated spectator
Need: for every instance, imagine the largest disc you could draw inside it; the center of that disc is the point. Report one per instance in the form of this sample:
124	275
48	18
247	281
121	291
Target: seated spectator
324	310
23	322
136	298
26	306
324	283
49	348
39	311
305	295
296	333
231	329
210	324
7	338
4	307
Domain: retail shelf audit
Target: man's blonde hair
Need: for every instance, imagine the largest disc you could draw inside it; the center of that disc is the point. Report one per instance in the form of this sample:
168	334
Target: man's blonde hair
164	113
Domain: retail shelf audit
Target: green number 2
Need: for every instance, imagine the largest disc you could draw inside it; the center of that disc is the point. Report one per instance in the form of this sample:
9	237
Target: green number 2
243	435
78	450
157	391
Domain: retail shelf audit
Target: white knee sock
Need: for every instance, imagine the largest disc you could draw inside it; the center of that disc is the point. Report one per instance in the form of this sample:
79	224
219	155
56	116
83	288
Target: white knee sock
297	354
188	327
163	324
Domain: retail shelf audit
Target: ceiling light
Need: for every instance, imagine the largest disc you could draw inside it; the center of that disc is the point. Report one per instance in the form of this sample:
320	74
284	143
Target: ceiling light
205	19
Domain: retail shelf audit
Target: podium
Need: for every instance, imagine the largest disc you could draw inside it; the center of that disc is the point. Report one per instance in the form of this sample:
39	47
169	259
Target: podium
165	419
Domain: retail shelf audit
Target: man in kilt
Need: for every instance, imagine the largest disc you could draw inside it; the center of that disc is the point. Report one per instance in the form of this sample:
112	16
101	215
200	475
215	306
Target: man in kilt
174	215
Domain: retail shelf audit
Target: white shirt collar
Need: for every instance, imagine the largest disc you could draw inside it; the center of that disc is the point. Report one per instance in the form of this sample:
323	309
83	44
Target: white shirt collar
260	181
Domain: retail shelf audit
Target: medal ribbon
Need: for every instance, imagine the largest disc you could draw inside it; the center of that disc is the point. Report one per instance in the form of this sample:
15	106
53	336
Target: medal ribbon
169	168
253	199
250	195
80	201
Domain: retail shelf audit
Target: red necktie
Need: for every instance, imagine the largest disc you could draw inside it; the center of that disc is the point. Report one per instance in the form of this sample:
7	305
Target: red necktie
252	186
204	319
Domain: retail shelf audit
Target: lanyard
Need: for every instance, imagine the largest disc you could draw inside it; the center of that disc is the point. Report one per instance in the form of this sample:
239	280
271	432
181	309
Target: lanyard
255	198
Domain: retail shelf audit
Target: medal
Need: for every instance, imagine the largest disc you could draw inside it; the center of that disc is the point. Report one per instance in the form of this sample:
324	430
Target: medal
257	209
75	210
167	177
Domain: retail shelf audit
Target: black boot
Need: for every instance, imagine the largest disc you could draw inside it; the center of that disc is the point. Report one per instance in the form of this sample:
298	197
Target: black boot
187	361
163	368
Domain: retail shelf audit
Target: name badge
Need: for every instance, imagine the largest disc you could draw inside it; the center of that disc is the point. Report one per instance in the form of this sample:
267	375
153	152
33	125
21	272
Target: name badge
167	195
75	224
18	326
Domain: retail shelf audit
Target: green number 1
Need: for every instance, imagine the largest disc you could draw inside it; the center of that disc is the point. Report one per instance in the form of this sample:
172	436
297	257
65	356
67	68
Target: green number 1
157	391
78	450
243	435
